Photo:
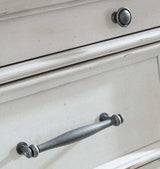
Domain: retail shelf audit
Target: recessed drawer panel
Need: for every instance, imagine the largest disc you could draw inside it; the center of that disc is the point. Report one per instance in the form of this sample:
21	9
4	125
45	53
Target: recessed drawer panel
133	91
42	31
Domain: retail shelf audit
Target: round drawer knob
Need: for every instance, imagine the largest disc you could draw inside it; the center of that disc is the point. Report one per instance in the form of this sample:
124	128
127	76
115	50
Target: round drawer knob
123	17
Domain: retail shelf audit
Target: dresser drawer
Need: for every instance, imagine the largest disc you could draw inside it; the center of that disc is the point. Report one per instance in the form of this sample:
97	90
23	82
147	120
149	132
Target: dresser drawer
132	91
62	26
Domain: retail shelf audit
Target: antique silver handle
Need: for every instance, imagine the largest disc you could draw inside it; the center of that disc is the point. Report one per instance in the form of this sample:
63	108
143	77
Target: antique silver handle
70	136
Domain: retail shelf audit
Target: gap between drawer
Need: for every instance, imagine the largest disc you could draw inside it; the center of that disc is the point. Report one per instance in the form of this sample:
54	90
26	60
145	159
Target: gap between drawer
52	79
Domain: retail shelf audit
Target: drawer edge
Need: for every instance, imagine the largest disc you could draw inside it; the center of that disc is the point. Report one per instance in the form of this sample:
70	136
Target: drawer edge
135	159
71	27
45	81
70	57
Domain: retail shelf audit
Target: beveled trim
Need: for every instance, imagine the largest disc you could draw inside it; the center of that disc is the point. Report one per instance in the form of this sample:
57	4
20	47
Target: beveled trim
135	159
70	57
45	81
33	36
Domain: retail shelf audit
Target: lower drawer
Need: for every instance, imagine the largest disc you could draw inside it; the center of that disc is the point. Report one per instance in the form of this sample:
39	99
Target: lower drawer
133	91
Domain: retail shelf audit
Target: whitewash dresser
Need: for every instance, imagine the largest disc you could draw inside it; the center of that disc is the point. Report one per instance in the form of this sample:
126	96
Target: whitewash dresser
71	68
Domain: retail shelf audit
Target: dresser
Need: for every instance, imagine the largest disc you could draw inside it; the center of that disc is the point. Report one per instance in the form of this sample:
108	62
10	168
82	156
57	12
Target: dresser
79	84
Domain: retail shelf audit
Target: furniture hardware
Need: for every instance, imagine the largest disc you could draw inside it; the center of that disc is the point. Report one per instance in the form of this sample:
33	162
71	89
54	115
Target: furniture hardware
70	136
123	17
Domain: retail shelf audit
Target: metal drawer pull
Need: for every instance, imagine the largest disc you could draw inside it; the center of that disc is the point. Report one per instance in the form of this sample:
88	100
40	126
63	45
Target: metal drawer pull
71	136
123	17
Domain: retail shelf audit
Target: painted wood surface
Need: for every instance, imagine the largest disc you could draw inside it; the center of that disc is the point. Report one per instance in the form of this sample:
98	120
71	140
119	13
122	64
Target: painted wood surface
142	159
56	30
12	8
158	62
153	165
133	91
70	74
63	93
70	57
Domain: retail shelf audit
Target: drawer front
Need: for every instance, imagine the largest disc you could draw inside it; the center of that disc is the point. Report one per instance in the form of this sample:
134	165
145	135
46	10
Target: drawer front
42	31
133	91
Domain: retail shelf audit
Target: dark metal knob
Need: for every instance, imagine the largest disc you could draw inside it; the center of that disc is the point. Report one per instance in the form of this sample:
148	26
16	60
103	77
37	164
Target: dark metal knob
123	17
70	136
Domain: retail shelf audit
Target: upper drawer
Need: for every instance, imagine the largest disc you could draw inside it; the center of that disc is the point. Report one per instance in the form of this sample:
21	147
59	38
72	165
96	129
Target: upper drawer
44	30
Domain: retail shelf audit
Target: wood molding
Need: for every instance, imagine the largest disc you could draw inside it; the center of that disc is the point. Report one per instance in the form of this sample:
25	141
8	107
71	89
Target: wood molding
45	81
36	35
70	57
135	159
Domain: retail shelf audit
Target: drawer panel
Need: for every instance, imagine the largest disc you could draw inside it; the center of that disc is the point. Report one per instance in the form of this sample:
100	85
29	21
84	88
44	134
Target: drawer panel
133	91
42	31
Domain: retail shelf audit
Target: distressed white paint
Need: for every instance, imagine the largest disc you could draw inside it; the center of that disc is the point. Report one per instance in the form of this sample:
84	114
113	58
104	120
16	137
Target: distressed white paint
18	8
133	91
135	159
158	62
52	62
153	165
41	107
70	74
49	32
